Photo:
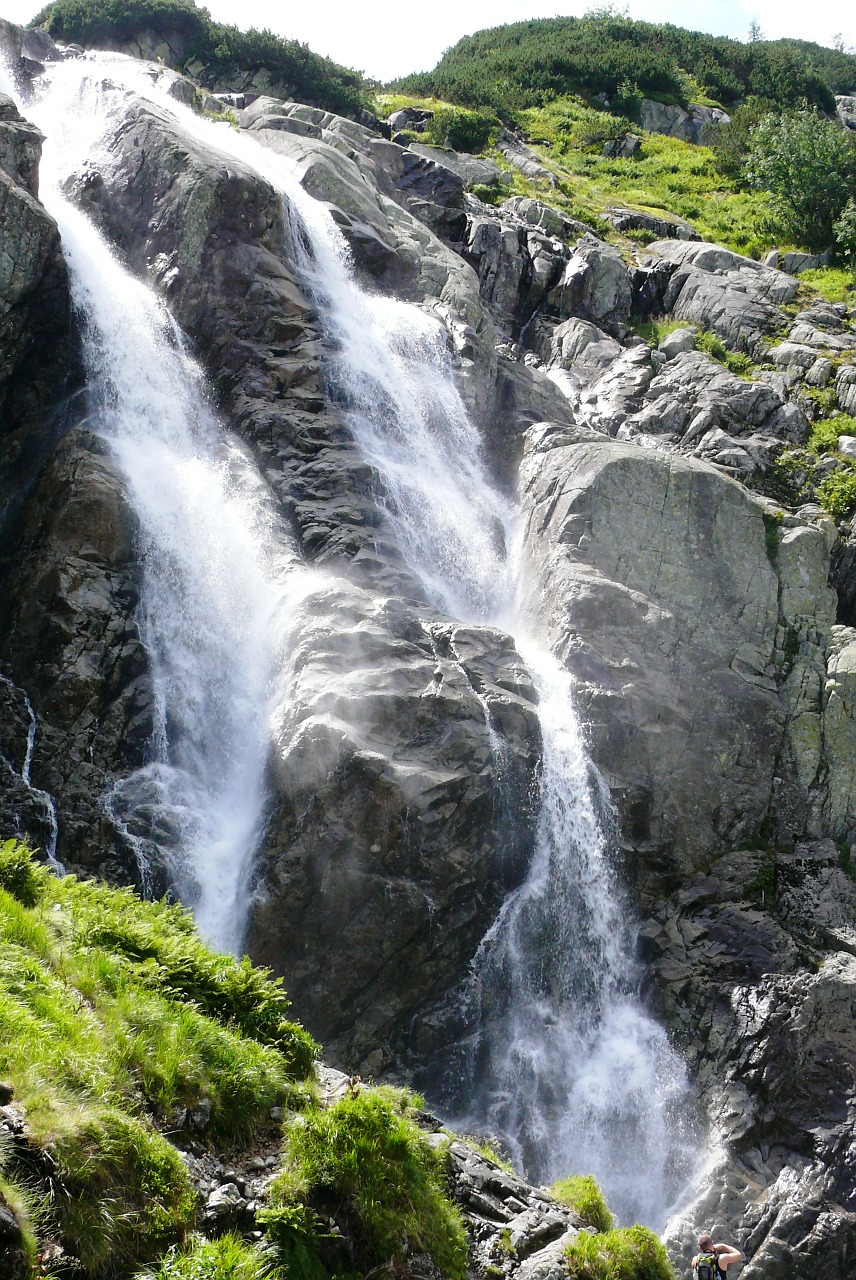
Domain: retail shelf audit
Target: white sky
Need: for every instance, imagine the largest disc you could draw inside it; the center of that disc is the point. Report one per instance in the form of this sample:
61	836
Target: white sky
380	39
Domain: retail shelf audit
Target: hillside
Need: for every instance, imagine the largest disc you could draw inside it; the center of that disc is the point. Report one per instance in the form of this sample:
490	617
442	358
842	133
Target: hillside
527	64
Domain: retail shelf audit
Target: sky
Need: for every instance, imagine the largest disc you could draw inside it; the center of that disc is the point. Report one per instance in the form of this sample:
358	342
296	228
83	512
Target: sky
381	40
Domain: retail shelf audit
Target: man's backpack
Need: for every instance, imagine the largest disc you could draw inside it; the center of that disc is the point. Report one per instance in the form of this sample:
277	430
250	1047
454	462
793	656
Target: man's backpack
707	1267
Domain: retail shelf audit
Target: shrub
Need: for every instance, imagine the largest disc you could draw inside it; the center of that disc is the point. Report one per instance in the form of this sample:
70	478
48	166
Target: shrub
808	163
19	875
627	1253
372	1162
584	1196
461	130
824	436
735	361
837	494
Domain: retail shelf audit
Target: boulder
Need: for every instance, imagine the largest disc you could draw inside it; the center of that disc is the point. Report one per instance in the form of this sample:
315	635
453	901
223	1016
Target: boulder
736	297
675	122
672	228
403	771
523	158
652	579
845	106
595	285
472	170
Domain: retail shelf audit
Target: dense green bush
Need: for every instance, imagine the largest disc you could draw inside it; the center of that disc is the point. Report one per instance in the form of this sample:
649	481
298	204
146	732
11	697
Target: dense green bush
528	63
582	1194
366	1159
462	130
808	164
225	51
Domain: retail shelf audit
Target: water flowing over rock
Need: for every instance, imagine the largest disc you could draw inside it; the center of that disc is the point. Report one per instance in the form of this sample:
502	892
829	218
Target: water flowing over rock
381	594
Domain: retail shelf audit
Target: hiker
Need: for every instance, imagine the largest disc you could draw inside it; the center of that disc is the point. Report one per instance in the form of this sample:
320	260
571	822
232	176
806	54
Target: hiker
713	1260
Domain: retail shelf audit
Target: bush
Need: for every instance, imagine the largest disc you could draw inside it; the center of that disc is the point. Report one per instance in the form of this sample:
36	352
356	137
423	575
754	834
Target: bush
735	361
370	1161
470	131
837	494
19	875
584	1196
808	163
627	1253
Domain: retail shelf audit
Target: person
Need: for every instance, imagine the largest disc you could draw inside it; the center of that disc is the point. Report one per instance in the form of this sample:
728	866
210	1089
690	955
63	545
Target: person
713	1260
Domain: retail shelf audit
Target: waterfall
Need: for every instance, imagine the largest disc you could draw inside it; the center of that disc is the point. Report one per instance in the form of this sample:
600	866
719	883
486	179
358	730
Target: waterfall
558	1056
216	572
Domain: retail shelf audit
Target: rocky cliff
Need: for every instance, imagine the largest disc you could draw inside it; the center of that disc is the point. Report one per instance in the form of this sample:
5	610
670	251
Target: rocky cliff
703	607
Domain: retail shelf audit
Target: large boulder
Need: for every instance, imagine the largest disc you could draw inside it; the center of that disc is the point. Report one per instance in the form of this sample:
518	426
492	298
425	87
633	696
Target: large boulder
666	586
653	581
715	288
404	770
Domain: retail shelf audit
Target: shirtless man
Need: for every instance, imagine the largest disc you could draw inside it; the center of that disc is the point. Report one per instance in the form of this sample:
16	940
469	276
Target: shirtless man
725	1254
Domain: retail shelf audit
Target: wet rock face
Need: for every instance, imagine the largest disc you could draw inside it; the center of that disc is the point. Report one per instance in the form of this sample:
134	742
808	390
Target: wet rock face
657	624
754	966
71	639
395	827
35	325
402	819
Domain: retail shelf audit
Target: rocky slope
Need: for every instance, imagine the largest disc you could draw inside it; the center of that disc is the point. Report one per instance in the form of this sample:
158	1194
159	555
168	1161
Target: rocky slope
716	663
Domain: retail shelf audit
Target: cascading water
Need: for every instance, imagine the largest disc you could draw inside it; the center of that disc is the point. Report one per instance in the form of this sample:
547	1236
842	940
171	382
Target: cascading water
559	1056
214	570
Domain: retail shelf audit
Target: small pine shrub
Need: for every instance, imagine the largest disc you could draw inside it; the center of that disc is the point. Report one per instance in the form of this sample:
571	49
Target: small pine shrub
462	130
582	1194
824	436
626	1253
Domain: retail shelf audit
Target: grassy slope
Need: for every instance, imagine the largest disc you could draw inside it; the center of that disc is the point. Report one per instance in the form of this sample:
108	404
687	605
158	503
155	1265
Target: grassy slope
666	177
113	1015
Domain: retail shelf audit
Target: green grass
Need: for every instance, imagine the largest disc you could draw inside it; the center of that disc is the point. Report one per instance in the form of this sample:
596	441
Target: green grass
657	328
582	1194
833	283
735	361
365	1158
228	1258
113	1016
627	1253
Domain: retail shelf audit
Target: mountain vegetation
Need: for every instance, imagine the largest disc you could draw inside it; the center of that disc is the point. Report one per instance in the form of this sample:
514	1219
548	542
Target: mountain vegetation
526	64
223	48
